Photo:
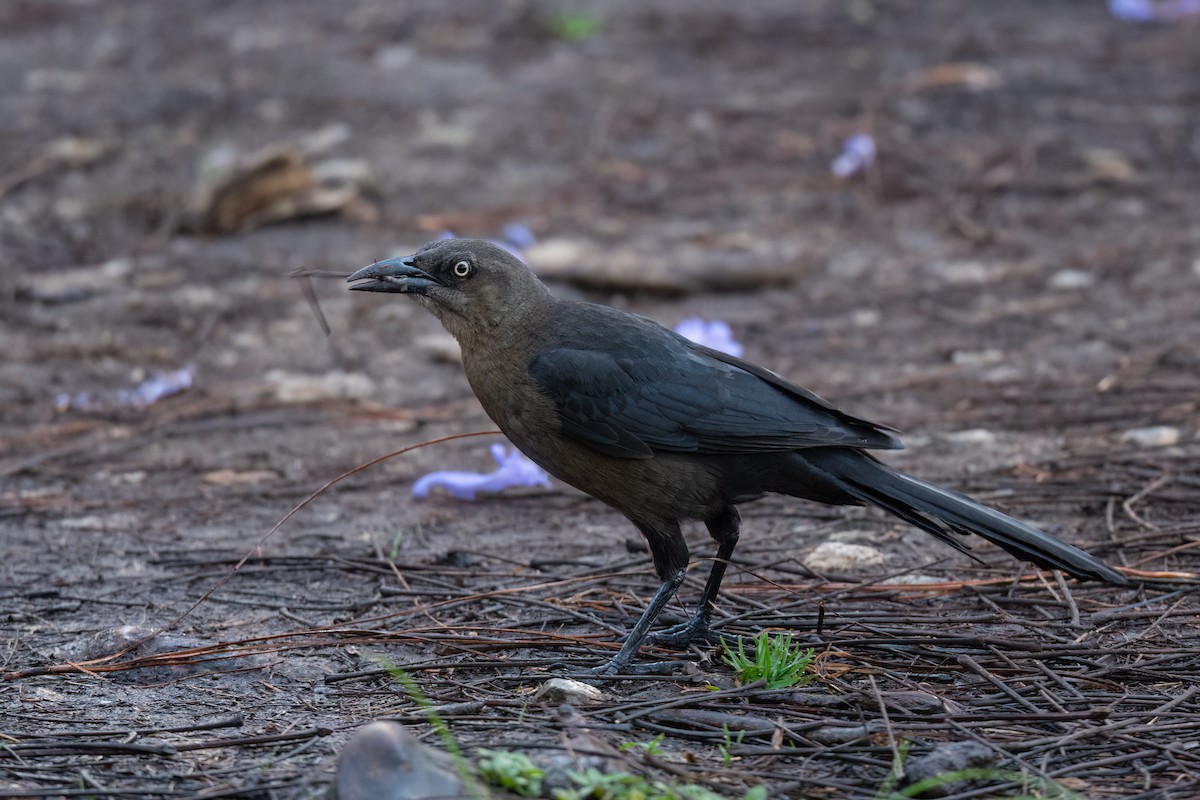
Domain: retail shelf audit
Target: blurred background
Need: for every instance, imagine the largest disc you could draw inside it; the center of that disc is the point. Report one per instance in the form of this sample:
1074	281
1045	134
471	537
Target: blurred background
1023	207
976	222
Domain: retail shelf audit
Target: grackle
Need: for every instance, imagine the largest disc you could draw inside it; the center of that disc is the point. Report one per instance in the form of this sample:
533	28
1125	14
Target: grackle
664	430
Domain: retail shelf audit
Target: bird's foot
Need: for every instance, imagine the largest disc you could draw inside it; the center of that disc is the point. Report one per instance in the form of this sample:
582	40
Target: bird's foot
695	631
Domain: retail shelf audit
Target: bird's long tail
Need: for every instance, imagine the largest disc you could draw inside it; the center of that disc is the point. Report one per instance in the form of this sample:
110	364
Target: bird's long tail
945	513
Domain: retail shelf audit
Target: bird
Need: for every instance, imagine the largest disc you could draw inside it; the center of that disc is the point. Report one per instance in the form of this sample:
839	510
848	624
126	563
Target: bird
665	430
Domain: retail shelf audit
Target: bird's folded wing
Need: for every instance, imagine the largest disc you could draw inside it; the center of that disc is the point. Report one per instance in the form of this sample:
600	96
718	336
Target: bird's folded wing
689	399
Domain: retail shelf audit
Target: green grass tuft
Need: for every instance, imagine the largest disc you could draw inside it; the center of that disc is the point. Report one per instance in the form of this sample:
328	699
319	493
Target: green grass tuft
776	661
596	785
575	26
513	772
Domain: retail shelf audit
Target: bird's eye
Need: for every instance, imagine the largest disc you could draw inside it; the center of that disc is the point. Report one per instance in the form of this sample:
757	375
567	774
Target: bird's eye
462	269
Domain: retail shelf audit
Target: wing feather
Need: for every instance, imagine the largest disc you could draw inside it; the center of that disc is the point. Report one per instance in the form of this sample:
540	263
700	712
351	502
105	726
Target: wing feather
662	393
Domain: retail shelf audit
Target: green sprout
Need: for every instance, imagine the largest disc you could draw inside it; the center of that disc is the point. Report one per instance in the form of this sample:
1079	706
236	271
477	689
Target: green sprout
776	661
727	748
513	772
575	26
1042	789
596	785
650	748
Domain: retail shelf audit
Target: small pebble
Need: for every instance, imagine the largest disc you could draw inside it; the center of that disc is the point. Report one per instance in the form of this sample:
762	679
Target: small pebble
971	436
383	761
295	387
856	536
1156	436
865	318
839	557
1072	279
557	691
964	273
913	580
977	358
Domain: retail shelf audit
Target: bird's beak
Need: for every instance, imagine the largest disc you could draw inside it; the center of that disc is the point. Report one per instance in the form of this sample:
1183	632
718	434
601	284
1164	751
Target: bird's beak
392	275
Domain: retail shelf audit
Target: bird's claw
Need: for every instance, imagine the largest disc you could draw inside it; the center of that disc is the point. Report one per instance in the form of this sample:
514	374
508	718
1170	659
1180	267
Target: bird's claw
680	637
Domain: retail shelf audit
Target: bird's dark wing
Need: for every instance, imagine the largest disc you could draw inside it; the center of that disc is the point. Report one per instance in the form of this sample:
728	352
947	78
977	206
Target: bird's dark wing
660	393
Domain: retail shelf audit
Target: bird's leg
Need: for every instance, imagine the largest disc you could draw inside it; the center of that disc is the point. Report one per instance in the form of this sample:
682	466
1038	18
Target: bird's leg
725	529
670	554
622	661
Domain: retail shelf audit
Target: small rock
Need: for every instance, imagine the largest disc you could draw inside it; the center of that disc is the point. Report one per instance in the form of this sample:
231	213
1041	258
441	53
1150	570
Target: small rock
395	58
971	436
839	557
233	477
965	272
293	387
1001	374
1156	436
913	580
383	761
856	536
1108	166
1072	279
948	757
977	358
865	318
557	691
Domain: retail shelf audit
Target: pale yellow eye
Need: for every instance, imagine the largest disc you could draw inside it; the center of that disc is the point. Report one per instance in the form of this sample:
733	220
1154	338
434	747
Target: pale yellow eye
462	269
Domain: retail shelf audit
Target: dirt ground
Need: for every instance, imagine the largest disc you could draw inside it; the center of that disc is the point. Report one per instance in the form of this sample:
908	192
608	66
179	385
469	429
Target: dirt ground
1014	284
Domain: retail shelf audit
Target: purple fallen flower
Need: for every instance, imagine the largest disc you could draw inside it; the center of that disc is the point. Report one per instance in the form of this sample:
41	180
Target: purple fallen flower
148	392
518	235
857	154
716	334
158	386
514	470
1153	10
515	238
1132	10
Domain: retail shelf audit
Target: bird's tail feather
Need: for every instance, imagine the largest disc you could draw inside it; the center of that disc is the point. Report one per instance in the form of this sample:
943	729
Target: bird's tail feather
945	513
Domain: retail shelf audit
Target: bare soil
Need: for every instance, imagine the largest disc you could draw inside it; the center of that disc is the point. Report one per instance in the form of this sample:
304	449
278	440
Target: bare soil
1014	284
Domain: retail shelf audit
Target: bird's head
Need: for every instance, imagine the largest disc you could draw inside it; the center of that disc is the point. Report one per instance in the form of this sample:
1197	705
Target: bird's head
472	286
